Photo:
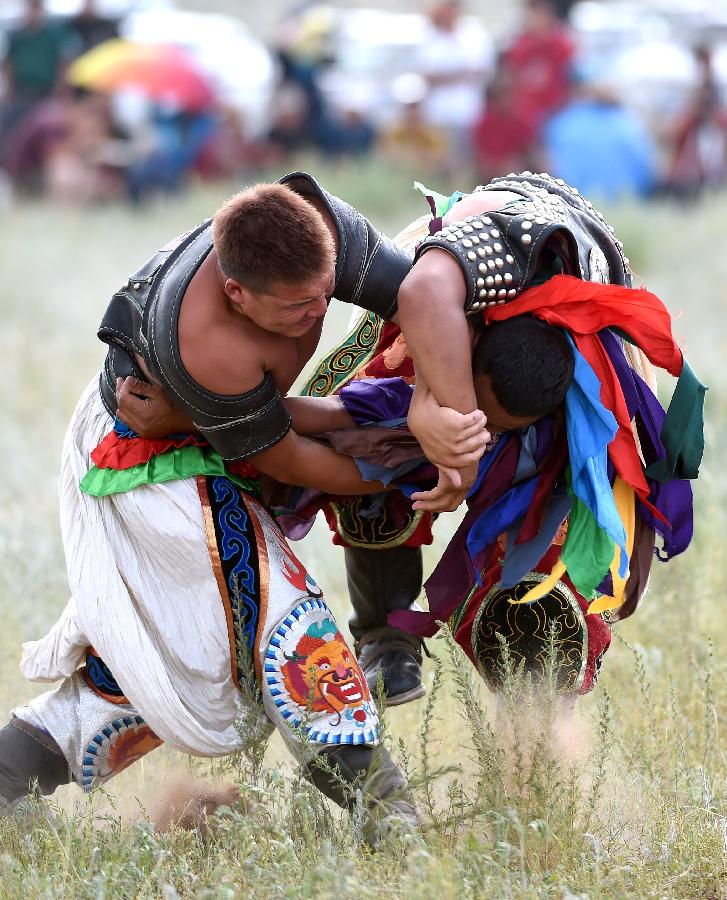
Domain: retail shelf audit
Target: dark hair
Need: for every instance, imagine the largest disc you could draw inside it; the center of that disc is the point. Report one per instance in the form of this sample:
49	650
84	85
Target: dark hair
530	364
270	235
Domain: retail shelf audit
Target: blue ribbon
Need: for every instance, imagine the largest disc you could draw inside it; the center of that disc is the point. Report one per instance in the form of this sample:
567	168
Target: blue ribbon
590	428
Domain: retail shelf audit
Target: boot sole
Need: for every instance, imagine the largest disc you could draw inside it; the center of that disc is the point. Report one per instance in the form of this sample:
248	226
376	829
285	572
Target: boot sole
407	697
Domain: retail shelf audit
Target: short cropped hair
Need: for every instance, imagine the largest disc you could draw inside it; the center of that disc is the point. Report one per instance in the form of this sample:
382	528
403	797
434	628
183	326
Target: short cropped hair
269	235
529	362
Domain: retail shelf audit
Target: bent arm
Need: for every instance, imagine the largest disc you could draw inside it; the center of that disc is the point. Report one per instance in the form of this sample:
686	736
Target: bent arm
148	410
431	312
432	318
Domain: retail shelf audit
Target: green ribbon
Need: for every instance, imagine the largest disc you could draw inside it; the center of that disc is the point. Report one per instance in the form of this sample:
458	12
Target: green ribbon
177	463
683	431
588	550
442	203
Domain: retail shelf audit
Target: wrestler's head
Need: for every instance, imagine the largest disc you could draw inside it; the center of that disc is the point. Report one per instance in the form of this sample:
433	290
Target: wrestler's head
277	258
522	368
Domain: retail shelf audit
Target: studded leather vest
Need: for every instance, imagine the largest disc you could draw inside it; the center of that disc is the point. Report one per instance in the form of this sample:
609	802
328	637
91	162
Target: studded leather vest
500	252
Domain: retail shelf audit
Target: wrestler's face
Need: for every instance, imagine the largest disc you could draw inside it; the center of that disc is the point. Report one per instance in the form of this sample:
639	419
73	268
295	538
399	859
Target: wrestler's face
286	309
498	418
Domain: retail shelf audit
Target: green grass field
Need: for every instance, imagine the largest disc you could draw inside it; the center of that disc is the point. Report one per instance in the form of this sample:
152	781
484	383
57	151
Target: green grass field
628	798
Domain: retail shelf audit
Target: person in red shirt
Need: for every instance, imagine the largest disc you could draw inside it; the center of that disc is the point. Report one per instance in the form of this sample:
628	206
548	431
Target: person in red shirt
538	63
503	139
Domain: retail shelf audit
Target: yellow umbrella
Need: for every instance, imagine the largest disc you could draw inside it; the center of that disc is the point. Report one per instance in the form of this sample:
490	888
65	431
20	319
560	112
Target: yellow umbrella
91	68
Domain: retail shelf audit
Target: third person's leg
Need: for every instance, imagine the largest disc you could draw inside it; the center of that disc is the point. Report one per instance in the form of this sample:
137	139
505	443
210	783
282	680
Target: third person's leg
379	582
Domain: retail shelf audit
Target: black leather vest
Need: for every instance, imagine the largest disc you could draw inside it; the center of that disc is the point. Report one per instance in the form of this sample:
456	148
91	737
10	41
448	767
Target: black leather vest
500	252
142	319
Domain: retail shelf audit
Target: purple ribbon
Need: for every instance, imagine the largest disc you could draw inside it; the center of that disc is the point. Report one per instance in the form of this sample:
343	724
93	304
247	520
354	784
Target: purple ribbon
673	498
378	400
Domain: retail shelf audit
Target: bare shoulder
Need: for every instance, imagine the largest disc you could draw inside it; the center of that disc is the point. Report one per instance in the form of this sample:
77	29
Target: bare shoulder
480	202
221	351
435	277
224	359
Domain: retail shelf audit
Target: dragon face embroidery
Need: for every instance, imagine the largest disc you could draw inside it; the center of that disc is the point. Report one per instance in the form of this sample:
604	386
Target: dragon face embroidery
316	682
322	671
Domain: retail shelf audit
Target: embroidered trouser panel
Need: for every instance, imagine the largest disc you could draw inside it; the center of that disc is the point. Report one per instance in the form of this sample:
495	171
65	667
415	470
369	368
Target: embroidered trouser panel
201	621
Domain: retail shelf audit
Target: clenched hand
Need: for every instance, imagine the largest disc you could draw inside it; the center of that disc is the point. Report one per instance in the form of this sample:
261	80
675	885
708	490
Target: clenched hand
147	410
452	441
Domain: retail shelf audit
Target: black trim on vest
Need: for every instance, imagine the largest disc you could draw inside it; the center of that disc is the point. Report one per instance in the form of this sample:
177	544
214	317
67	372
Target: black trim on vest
369	265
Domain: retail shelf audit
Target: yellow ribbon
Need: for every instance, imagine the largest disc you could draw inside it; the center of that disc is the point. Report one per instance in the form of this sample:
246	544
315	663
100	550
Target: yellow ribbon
544	587
625	499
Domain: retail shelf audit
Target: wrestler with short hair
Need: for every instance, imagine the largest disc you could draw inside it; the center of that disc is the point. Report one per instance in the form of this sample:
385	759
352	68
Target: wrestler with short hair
187	601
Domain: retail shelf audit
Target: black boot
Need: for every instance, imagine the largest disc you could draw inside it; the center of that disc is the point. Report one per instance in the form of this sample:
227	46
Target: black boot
371	770
379	582
28	757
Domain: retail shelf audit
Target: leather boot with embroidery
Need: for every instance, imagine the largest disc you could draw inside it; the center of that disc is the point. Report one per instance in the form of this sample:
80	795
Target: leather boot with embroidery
344	773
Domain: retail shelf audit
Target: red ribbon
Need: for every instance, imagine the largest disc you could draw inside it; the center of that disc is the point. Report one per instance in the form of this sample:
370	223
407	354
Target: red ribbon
585	307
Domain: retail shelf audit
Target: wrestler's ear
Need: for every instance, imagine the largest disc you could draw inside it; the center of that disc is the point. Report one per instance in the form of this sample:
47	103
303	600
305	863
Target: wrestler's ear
237	293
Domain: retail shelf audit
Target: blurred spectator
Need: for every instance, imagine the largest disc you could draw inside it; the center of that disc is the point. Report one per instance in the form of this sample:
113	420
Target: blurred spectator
352	133
410	139
699	139
538	64
301	115
562	8
90	29
179	140
86	163
289	129
29	143
303	50
599	145
33	65
228	152
455	60
504	140
70	146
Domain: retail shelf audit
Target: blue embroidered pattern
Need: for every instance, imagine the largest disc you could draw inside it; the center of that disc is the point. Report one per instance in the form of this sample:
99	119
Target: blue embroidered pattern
101	677
238	554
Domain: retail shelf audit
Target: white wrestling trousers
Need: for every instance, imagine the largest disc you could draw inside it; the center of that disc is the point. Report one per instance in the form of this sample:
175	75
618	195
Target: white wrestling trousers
165	580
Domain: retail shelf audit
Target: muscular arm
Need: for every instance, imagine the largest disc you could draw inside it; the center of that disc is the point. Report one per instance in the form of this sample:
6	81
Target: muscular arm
316	415
431	312
301	461
431	316
147	409
294	459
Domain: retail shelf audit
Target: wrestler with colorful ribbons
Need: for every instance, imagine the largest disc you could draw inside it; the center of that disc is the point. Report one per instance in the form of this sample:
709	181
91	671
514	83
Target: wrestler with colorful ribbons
617	475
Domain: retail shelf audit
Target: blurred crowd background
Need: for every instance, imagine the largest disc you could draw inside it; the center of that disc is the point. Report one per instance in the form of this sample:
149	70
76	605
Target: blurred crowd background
127	99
